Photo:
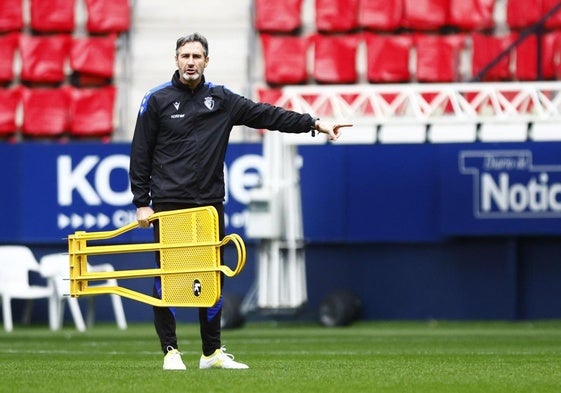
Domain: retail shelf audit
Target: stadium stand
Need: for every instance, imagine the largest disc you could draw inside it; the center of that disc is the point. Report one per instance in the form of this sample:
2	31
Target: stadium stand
299	42
488	43
49	50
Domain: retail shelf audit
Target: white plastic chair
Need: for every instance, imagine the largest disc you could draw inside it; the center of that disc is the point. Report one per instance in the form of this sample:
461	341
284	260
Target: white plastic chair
55	267
16	262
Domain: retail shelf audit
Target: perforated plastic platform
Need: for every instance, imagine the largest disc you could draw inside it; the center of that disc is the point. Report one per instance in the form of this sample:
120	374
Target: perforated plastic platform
190	263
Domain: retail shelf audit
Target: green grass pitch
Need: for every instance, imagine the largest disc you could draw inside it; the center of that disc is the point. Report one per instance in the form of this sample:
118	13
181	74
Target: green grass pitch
451	357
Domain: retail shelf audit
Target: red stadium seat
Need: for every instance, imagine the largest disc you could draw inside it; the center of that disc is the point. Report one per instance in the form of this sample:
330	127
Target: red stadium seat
470	15
93	59
11	15
52	16
285	59
526	59
551	55
383	68
91	111
43	57
425	14
380	15
335	58
280	16
555	21
8	45
108	16
9	101
336	16
485	49
438	57
45	112
520	16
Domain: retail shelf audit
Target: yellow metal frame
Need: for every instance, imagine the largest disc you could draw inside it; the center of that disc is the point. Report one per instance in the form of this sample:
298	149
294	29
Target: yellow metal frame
190	264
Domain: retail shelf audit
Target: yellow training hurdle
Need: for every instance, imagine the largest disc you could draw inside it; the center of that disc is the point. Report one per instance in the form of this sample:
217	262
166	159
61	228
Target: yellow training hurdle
190	263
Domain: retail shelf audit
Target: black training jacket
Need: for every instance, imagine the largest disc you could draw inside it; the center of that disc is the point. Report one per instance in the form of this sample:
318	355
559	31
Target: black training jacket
181	136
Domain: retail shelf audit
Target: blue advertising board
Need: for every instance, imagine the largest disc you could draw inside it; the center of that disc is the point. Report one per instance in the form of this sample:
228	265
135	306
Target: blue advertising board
350	193
501	189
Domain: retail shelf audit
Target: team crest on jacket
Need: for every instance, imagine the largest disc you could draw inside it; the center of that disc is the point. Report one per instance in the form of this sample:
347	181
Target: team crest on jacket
209	102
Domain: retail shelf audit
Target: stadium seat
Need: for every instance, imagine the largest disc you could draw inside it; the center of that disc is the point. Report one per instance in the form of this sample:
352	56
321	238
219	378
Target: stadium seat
43	58
425	14
17	264
438	57
335	58
472	15
92	59
8	45
555	21
55	267
11	15
285	58
91	111
108	16
9	102
551	55
45	112
520	16
336	16
380	15
526	59
52	16
280	16
382	68
485	49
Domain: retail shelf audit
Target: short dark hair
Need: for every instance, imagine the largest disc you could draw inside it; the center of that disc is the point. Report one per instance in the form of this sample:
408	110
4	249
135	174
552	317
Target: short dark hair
195	37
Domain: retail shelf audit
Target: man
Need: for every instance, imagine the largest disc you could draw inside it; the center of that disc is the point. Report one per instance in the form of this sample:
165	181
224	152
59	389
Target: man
177	159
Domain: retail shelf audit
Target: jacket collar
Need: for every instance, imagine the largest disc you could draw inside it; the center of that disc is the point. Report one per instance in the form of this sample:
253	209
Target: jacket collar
177	83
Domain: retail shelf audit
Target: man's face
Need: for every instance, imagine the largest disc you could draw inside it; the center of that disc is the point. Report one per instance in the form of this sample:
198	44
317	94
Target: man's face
191	62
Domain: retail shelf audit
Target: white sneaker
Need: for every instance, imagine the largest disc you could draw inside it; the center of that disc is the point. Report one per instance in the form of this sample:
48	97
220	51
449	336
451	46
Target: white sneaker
221	359
172	360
